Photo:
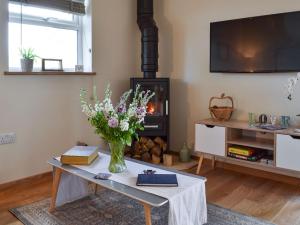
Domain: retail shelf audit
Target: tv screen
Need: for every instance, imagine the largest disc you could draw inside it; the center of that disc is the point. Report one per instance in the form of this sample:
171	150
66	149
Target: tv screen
256	45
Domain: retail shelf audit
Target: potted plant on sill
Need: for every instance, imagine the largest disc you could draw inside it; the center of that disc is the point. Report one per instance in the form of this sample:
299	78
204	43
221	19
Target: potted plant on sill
27	59
117	125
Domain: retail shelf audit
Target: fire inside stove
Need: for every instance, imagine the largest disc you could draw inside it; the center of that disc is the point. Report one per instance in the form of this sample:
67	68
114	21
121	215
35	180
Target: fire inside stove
150	108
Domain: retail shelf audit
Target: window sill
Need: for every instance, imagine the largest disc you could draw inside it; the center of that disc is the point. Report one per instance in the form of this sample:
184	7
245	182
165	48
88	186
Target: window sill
55	73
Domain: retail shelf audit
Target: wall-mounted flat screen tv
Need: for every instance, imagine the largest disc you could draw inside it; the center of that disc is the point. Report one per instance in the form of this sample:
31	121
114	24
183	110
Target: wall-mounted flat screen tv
261	44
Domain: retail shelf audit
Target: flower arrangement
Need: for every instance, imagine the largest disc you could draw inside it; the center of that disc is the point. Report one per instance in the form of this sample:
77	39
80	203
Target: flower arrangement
292	82
117	125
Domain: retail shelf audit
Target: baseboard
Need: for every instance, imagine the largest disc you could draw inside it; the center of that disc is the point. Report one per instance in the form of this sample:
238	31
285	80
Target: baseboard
46	175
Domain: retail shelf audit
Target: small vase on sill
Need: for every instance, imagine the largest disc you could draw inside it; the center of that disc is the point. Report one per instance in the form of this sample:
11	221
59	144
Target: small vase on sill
26	65
117	162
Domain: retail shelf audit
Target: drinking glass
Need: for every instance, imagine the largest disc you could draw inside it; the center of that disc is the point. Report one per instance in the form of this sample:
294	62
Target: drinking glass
251	119
273	119
285	121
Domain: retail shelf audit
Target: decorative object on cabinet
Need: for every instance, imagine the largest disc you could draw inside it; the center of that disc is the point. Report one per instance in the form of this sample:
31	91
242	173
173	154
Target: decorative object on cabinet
270	127
279	148
263	119
292	82
273	119
285	121
251	119
221	113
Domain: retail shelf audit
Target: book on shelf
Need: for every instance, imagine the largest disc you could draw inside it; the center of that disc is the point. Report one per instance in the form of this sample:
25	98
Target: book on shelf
253	158
80	155
241	151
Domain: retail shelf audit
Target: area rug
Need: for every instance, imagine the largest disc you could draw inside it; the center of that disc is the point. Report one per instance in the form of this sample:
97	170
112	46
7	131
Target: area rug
111	208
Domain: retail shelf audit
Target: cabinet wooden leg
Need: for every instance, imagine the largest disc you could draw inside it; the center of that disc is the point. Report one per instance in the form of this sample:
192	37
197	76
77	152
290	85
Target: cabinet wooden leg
213	162
55	185
200	163
147	209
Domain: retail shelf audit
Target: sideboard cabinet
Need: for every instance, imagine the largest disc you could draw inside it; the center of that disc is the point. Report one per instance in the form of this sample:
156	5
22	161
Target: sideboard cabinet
282	147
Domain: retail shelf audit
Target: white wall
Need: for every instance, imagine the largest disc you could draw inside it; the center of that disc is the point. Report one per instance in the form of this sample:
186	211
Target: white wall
44	111
184	54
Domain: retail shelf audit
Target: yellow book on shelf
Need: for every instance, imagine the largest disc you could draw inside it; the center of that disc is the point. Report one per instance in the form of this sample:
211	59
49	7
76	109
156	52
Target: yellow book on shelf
241	151
80	155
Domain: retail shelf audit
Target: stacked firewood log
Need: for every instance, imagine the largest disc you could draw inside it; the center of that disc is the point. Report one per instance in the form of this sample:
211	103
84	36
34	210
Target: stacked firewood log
149	150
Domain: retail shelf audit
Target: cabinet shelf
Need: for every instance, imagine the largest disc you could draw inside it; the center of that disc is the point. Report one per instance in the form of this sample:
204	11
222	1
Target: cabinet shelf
241	162
261	143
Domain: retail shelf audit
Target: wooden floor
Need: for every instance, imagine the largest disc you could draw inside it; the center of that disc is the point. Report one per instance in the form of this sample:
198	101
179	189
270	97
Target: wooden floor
254	196
22	194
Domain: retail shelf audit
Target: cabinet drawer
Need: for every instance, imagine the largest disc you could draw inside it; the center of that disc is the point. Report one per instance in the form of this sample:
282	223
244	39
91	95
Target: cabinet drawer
288	152
210	139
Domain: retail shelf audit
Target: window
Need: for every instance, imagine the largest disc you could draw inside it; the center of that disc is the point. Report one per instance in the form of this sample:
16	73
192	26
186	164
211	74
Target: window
53	34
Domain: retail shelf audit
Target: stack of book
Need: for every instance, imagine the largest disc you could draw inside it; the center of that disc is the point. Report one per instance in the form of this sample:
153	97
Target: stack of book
245	153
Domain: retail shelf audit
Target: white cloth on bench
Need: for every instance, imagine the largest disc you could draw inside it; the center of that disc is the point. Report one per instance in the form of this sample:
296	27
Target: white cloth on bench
187	202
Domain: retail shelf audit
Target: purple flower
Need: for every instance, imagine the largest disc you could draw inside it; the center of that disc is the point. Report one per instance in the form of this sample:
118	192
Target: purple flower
121	108
113	122
140	113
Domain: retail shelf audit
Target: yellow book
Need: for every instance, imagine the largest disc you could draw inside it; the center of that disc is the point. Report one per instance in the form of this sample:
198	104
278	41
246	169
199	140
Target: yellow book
241	151
80	155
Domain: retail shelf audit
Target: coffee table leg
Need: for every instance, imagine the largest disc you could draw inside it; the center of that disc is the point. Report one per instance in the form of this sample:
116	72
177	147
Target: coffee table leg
147	209
200	163
55	184
96	189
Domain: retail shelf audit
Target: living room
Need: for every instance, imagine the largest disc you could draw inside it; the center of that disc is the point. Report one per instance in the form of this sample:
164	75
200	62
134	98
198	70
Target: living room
42	118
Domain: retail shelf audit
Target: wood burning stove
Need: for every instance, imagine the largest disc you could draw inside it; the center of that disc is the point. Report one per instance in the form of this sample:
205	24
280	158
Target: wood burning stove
155	137
157	119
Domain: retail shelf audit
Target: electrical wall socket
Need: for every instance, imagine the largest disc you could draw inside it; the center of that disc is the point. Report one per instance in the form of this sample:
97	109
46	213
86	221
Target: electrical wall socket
8	138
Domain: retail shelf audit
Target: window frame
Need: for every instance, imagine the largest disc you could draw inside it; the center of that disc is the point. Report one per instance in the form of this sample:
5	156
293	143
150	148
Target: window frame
75	25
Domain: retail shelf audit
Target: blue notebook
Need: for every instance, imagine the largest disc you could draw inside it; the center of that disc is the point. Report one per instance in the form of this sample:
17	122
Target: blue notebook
160	180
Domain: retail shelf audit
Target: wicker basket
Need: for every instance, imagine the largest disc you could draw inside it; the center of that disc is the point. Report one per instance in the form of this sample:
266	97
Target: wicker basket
221	113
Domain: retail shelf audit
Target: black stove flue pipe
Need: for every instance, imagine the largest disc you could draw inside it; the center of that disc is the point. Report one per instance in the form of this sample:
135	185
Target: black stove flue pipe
149	32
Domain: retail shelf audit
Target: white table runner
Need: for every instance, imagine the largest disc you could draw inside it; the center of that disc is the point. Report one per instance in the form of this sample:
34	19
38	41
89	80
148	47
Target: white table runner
187	201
